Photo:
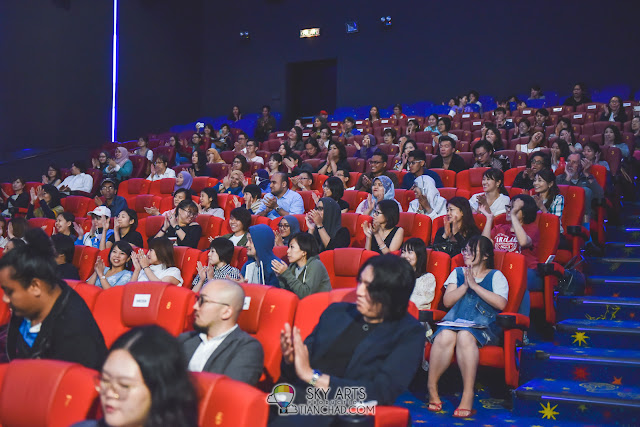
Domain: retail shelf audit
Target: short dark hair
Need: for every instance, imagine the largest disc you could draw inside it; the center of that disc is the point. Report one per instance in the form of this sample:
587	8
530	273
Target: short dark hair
496	175
243	215
64	245
81	165
224	248
307	243
546	159
391	131
212	193
447	122
392	284
163	158
309	175
284	177
391	212
287	148
483	143
20	226
486	249
188	205
500	110
565	150
164	250
418	246
447	138
187	193
336	186
530	208
276	156
382	155
33	260
268	107
243	160
254	190
543	111
295	157
132	215
162	364
313	142
350	120
418	155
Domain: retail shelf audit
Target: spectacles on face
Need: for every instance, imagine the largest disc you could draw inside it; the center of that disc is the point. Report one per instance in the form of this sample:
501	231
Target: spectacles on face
537	162
507	208
481	155
281	225
159	162
375	162
320	208
201	300
189	213
466	251
121	391
376	212
414	162
304	177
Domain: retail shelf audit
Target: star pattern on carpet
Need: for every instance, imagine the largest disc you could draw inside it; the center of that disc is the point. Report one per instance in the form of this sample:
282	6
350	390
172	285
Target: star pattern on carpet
580	373
548	412
617	381
582	408
580	338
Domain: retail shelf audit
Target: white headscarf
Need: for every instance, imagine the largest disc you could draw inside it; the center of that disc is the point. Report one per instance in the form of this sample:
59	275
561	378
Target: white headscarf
427	186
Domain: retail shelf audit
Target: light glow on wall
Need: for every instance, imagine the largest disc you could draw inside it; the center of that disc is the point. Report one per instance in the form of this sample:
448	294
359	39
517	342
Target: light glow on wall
114	82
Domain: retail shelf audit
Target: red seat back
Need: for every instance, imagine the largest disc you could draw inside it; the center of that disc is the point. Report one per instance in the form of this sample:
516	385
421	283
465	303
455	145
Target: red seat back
84	259
77	205
121	308
140	166
132	187
353	222
343	265
151	227
448	177
89	293
46	393
46	224
265	312
416	225
470	180
354	198
211	227
186	260
162	187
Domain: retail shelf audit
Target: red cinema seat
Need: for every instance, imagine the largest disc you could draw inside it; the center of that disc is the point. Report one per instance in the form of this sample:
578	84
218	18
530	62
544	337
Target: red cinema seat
239	257
318	181
281	252
89	293
354	198
84	259
307	199
404	197
227	203
572	217
470	180
46	224
356	164
162	187
77	205
121	308
599	172
353	222
343	265
266	310
415	225
5	311
201	182
211	226
315	163
186	260
510	175
448	177
169	152
613	156
219	170
132	187
46	393
504	357
140	166
449	193
301	221
225	402
142	201
309	311
150	227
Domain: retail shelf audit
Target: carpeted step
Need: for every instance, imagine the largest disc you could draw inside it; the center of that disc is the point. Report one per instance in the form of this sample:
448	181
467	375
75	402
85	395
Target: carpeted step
598	308
622	249
610	334
589	402
623	266
614	286
579	364
628	234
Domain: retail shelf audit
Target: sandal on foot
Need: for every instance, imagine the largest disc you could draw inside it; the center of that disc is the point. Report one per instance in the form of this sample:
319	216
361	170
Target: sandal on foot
464	413
435	407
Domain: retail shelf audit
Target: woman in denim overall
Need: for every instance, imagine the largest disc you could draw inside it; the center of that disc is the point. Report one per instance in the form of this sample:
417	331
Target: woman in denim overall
477	293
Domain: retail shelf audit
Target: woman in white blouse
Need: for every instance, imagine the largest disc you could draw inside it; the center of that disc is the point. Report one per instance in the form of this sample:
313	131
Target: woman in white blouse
415	252
158	265
160	169
494	196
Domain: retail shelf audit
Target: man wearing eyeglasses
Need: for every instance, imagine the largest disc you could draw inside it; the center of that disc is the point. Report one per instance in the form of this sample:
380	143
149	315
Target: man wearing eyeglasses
378	166
416	162
217	344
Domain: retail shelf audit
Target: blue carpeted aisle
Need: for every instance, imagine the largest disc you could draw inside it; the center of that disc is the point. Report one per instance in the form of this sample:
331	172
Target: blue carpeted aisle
589	374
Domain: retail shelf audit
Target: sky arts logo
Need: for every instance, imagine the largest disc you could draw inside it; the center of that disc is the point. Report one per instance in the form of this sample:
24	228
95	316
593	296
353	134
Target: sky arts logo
345	401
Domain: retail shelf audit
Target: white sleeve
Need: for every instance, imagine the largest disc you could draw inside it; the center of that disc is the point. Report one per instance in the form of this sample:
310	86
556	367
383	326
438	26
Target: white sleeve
150	155
498	206
87	184
259	159
170	173
473	202
500	285
413	206
453	278
65	183
360	208
173	272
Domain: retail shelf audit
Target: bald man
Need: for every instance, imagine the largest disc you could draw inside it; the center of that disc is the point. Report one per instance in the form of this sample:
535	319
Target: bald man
218	345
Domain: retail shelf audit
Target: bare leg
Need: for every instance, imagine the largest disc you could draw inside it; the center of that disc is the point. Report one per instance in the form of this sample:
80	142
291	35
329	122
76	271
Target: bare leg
439	360
467	356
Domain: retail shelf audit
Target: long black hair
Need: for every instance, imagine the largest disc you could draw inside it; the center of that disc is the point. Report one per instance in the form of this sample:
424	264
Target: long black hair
496	175
486	249
161	361
468	226
417	246
550	178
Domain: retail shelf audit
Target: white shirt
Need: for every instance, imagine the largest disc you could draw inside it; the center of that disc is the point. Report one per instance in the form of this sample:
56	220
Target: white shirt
161	272
168	173
256	159
206	349
498	207
80	182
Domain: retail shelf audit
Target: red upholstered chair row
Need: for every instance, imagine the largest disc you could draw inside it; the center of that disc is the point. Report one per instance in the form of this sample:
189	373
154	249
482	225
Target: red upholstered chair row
61	394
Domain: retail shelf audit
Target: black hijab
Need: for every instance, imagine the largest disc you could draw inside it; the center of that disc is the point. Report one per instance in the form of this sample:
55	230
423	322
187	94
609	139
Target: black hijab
332	219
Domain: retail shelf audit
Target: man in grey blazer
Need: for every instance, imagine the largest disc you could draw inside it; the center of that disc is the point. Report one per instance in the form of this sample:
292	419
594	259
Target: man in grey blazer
218	345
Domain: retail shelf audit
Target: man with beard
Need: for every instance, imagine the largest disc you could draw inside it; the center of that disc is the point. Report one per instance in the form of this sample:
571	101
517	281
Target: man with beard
218	345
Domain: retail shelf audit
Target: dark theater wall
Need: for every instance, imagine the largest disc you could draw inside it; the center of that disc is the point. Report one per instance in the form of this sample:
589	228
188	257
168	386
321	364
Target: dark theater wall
56	73
160	65
434	49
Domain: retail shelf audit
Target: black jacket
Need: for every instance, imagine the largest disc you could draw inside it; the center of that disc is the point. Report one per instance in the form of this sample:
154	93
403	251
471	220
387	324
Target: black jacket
68	333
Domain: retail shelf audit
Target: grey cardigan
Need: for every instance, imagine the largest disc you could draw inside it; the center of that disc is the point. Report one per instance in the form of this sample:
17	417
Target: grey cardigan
312	279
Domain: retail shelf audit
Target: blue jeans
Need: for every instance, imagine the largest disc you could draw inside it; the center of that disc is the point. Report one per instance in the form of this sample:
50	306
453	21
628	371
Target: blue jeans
534	283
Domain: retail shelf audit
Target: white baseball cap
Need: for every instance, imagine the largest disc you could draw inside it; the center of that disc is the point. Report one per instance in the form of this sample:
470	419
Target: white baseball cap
101	211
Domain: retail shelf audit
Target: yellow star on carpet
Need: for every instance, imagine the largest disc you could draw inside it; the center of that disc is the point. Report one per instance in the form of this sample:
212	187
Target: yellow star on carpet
528	388
614	266
566	388
580	338
536	426
617	381
420	422
549	379
582	408
549	412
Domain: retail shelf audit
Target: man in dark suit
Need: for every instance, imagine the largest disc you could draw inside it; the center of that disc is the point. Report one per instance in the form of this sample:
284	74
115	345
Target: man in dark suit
218	345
